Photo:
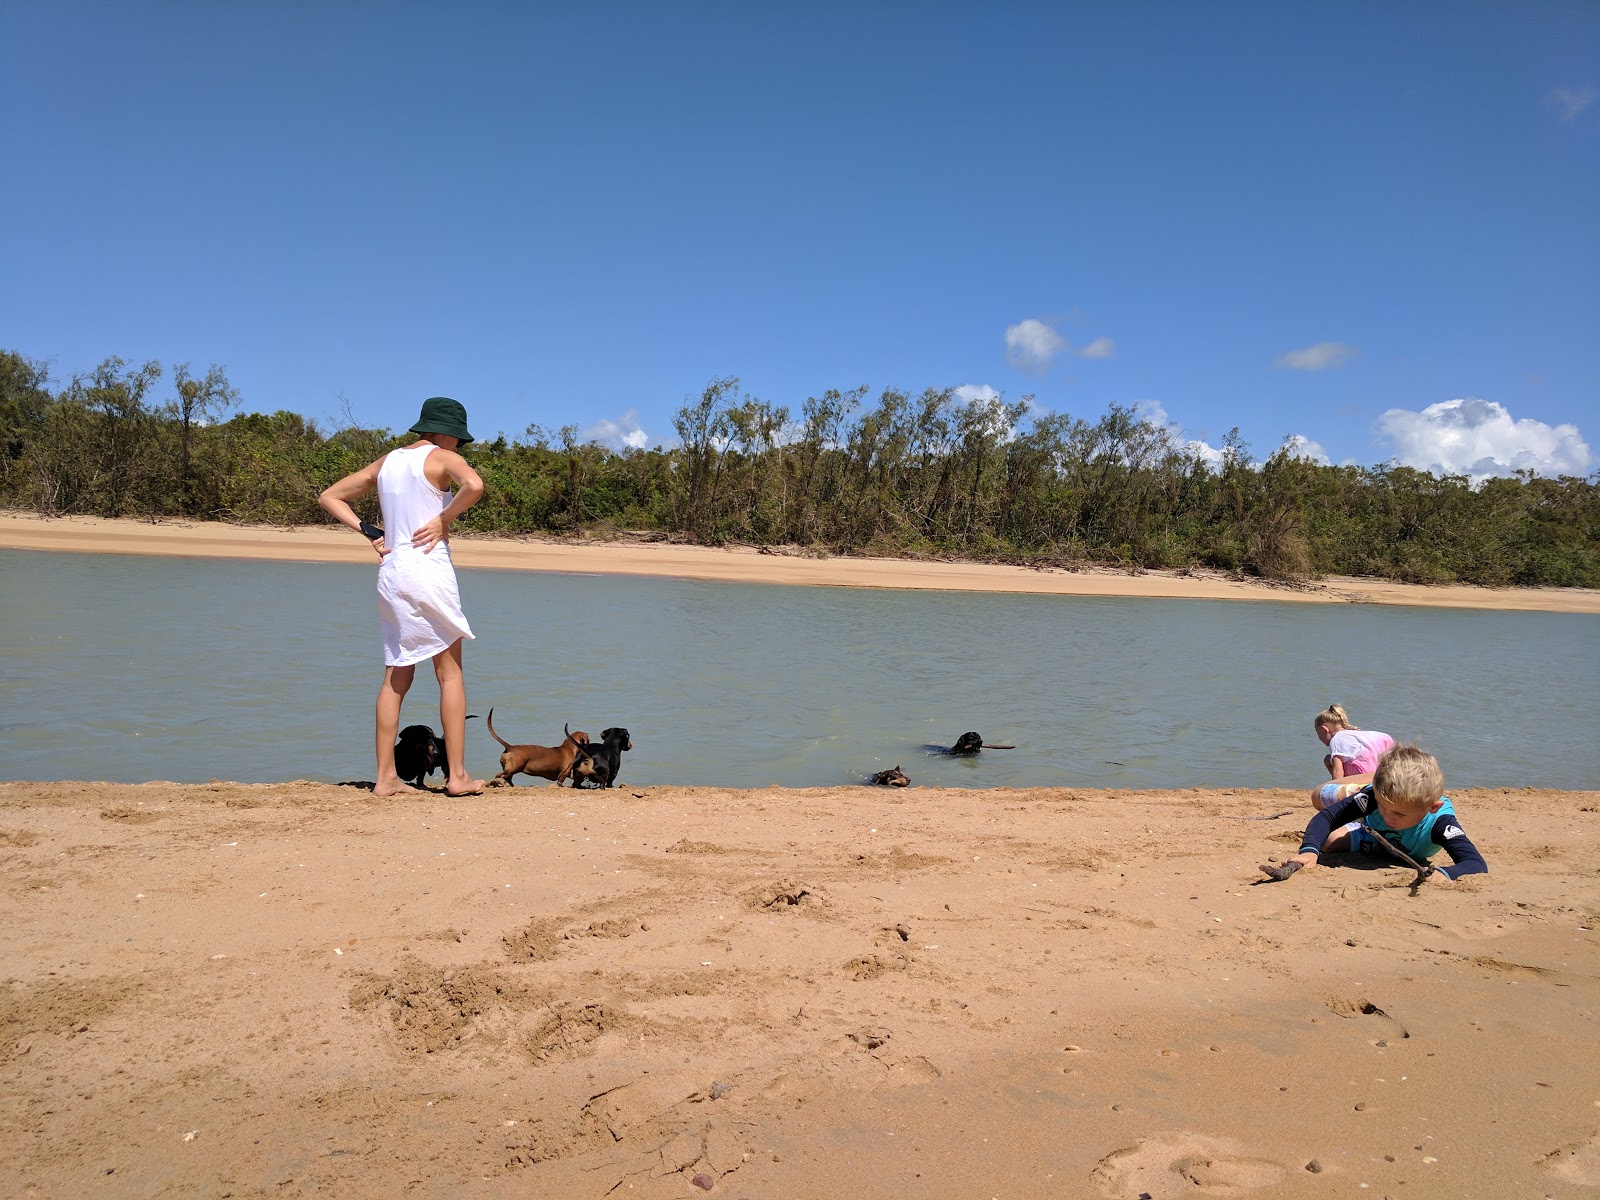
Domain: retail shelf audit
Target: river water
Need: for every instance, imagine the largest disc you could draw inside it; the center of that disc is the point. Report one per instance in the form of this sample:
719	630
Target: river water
133	668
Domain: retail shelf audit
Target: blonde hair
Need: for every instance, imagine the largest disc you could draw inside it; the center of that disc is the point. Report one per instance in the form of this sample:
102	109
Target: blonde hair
1333	717
1409	777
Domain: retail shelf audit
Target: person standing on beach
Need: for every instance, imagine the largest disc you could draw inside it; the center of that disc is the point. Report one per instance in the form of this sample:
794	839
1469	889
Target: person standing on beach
419	604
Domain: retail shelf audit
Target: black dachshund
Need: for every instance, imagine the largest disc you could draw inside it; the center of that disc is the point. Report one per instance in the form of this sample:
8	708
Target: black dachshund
601	763
420	752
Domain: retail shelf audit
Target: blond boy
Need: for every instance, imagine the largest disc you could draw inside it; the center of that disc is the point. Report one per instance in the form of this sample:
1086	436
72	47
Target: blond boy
1405	806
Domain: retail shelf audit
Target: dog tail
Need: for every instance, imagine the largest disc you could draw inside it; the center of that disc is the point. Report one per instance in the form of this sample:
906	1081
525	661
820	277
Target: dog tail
495	735
577	745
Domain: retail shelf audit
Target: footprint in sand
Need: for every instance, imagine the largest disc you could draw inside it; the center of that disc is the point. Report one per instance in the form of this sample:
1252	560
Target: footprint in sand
1184	1164
1577	1164
1392	1029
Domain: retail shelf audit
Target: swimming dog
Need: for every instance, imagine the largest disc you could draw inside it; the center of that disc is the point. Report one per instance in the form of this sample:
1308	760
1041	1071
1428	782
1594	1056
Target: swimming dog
971	743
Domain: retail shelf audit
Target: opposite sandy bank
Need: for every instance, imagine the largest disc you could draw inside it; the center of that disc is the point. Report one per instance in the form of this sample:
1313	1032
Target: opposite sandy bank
28	531
297	990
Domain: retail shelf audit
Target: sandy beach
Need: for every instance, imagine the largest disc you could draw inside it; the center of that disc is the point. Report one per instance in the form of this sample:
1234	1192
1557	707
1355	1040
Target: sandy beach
299	990
329	543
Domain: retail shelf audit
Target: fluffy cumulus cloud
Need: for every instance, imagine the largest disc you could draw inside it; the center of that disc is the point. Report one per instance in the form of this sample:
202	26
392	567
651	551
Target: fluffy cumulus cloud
1297	445
1570	102
1316	358
623	433
1032	345
1151	411
968	392
1479	439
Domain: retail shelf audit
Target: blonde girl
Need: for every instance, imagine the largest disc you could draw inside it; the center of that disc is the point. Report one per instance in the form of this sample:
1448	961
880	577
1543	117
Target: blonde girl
1353	754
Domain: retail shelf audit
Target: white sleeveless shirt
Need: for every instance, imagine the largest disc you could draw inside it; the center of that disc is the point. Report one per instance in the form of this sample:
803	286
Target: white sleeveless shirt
407	498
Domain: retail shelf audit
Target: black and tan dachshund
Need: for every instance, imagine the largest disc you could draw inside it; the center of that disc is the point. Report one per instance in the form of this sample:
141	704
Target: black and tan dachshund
419	752
601	763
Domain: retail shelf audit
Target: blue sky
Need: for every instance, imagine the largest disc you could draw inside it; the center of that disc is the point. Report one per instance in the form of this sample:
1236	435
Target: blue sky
1369	225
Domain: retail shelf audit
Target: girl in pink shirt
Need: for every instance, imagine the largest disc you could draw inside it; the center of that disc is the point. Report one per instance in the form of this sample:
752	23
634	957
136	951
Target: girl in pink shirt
1353	754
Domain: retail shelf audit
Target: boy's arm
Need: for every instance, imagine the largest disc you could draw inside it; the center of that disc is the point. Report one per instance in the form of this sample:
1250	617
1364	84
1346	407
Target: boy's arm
1329	819
1316	834
1459	847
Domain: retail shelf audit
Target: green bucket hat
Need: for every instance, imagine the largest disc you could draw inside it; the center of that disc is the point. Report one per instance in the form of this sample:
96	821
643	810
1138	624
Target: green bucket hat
440	414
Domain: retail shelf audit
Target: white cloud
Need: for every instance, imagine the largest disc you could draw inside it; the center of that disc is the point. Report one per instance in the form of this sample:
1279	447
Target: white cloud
1297	445
1101	347
619	434
1031	344
1572	101
968	392
1316	358
1152	412
1479	439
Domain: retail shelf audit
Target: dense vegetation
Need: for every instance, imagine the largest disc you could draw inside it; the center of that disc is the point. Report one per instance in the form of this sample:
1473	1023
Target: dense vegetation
898	474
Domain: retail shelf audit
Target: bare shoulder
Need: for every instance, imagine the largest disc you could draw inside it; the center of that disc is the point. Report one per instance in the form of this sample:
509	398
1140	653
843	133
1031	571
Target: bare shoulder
446	465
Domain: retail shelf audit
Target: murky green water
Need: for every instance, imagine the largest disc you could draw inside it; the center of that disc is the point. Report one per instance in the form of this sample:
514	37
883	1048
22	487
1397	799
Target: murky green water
129	668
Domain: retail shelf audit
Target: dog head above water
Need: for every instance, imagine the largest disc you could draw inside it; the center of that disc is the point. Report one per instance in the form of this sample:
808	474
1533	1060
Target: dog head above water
968	743
893	777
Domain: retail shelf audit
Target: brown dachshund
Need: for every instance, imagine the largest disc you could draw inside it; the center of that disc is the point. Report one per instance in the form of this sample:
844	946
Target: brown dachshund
547	762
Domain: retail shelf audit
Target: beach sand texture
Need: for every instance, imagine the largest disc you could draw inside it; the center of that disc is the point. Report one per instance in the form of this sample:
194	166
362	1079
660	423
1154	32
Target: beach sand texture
747	564
299	990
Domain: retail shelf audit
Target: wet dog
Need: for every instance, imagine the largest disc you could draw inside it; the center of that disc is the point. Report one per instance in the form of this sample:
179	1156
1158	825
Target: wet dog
545	762
893	777
600	764
972	743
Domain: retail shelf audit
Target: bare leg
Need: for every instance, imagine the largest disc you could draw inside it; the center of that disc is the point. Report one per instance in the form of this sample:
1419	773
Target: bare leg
396	683
453	716
1348	786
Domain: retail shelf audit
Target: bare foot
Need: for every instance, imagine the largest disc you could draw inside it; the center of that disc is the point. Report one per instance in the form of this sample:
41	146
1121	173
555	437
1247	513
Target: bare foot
394	787
464	787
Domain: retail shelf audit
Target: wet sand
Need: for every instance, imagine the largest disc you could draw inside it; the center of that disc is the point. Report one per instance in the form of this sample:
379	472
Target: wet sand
297	990
330	543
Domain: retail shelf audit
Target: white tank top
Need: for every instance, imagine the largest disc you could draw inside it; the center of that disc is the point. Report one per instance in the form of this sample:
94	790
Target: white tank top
405	495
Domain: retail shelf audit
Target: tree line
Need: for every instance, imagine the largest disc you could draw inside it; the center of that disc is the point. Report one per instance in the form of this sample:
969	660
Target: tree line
897	474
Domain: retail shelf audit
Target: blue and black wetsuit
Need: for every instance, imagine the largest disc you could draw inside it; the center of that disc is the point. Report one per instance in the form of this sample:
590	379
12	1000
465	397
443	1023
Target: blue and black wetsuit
1437	831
